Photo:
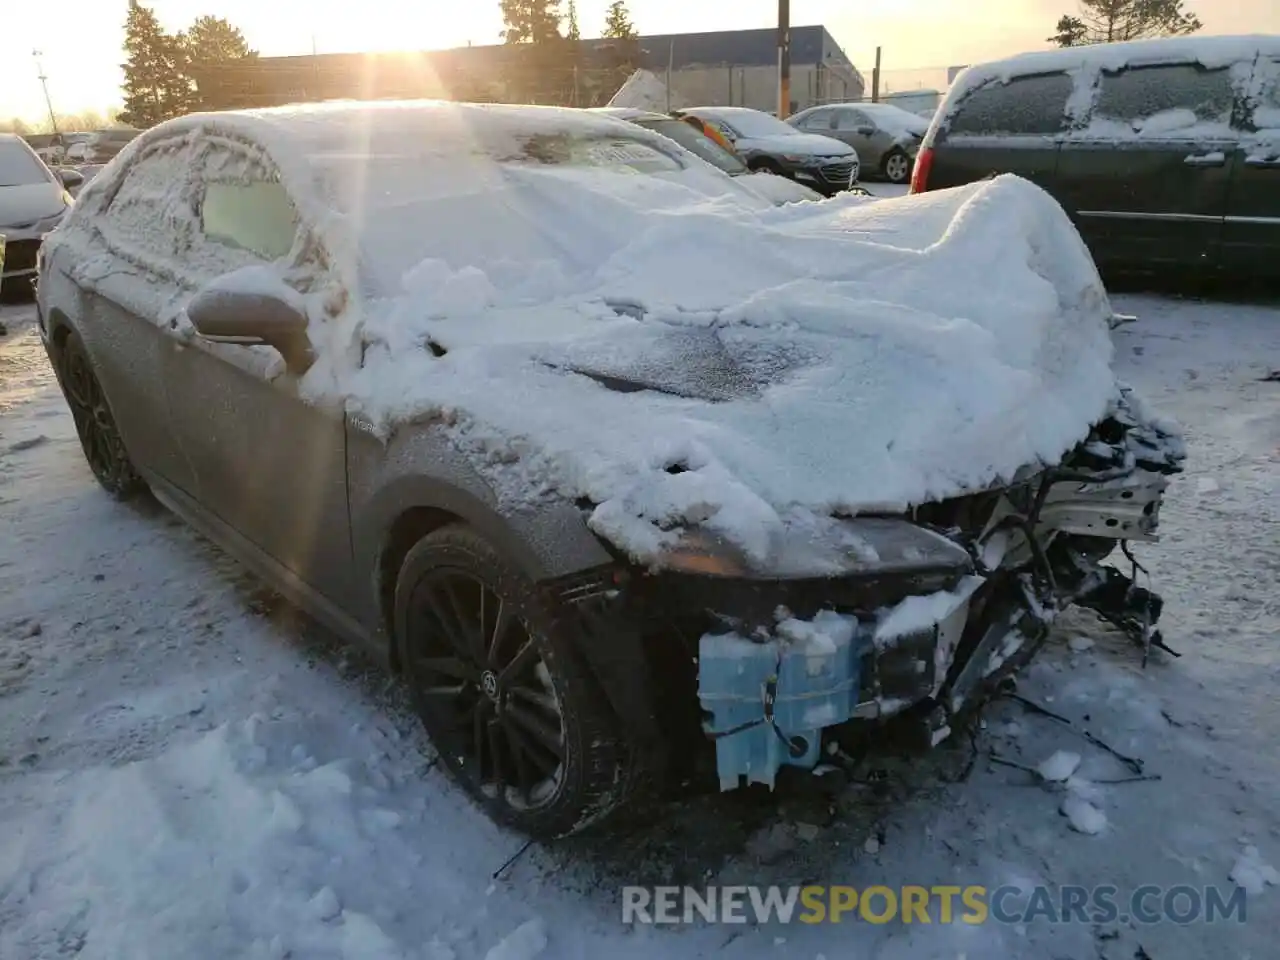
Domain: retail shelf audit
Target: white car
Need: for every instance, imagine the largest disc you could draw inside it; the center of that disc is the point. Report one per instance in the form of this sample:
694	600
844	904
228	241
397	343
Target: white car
33	200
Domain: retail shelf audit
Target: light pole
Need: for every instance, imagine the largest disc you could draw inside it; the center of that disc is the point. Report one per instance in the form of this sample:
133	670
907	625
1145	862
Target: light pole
44	84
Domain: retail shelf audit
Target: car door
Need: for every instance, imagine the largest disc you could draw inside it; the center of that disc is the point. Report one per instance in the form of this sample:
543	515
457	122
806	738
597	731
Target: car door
858	130
144	227
1145	175
270	466
1251	231
1014	127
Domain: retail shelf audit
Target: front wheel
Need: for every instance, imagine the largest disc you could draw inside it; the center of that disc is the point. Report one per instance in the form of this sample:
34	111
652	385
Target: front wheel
897	166
95	425
504	696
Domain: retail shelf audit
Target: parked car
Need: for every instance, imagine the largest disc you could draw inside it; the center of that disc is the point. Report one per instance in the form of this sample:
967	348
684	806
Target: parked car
778	189
33	200
105	144
1165	153
769	145
886	137
618	484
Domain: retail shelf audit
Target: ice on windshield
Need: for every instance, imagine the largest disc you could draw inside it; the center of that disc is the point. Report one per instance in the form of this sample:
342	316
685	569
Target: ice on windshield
18	165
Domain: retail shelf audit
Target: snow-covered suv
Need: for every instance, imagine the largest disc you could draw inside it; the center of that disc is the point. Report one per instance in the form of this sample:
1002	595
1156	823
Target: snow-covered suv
616	461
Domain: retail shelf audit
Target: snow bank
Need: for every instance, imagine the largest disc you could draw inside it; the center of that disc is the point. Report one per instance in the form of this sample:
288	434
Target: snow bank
664	344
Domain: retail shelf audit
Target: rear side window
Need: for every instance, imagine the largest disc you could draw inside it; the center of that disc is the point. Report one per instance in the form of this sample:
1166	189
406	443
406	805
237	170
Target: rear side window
1026	106
818	120
257	217
852	120
1169	97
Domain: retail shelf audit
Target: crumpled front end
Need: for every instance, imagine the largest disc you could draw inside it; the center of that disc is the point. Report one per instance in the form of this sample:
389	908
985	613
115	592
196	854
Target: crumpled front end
772	693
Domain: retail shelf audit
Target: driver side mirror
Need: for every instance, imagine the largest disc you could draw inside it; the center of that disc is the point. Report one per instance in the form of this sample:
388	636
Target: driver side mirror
866	129
235	316
70	178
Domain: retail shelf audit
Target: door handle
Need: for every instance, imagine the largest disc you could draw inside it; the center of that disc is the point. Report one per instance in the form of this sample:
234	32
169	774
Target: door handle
1206	160
1263	163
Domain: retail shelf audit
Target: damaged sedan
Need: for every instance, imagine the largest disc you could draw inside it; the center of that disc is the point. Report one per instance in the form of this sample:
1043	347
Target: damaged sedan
621	466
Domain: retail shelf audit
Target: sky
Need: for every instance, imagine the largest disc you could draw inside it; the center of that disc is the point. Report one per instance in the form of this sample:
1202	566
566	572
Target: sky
81	53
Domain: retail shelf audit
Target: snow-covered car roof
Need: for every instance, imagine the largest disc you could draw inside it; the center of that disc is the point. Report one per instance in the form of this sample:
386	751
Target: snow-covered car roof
1207	51
665	344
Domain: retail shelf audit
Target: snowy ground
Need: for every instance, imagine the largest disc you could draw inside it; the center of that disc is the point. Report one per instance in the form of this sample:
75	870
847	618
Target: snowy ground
184	772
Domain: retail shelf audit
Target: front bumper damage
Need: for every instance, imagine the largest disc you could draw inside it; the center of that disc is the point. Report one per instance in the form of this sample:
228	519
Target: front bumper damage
771	694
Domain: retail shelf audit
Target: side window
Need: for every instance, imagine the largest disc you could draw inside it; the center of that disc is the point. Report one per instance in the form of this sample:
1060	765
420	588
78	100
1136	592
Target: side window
1265	95
1166	98
852	120
152	210
255	216
818	120
1027	106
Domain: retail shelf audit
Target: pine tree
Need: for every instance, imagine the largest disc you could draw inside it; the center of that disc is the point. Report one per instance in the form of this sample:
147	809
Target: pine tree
215	40
1107	21
1071	32
573	31
156	84
617	22
531	21
212	42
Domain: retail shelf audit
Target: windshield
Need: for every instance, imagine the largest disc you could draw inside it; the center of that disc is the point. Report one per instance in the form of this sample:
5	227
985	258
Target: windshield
697	144
555	199
750	123
19	166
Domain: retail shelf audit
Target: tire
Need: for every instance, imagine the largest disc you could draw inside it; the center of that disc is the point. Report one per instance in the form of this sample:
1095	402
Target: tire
766	166
100	439
896	166
492	713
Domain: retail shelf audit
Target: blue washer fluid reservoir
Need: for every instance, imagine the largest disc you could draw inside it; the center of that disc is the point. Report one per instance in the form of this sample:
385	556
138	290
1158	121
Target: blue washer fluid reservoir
804	678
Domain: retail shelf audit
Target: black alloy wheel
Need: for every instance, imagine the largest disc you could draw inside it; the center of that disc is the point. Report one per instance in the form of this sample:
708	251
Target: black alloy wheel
99	437
513	713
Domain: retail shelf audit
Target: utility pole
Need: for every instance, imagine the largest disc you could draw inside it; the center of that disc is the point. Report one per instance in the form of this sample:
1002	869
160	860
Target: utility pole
44	84
875	79
784	59
671	62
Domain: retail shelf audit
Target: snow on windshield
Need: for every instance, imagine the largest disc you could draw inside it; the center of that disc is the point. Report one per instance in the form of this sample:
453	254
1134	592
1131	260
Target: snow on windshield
18	165
528	208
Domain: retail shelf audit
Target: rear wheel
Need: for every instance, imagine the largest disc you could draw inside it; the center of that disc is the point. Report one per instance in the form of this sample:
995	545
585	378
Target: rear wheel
96	426
896	166
515	715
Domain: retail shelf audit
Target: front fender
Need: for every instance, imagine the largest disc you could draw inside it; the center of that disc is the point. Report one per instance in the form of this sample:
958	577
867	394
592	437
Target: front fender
421	469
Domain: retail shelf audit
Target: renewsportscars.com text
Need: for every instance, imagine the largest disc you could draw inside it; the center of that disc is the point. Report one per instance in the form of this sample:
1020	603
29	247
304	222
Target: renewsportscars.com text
942	904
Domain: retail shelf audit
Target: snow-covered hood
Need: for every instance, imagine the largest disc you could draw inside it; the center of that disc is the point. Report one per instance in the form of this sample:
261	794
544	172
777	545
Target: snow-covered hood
23	205
798	144
749	372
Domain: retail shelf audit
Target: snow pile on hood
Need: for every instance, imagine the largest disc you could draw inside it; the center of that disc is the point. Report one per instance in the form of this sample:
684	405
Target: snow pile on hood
749	372
596	318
